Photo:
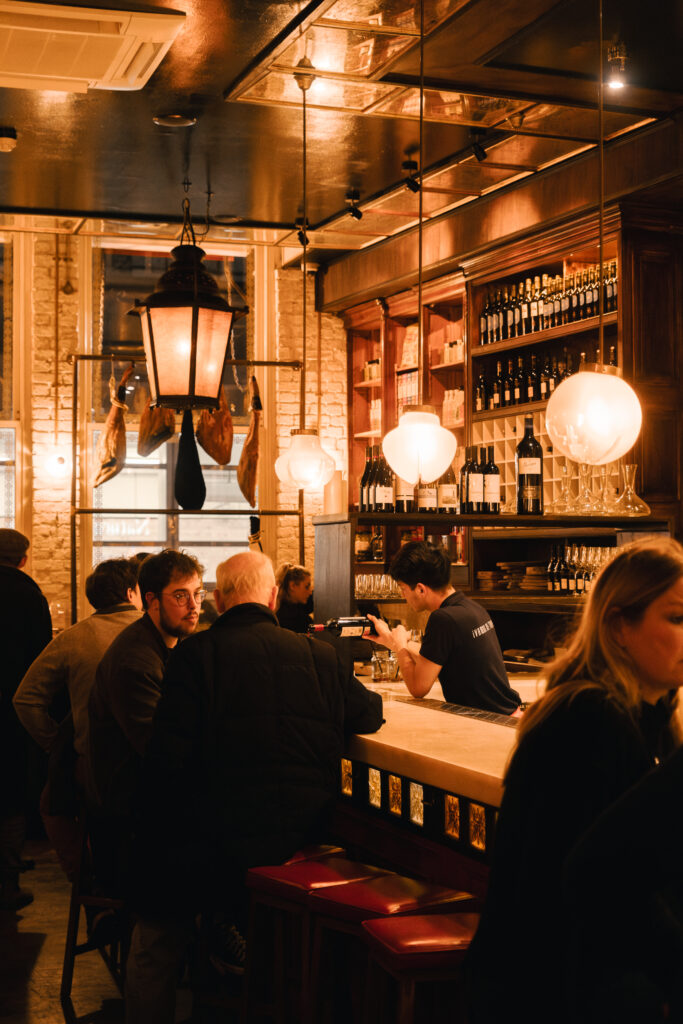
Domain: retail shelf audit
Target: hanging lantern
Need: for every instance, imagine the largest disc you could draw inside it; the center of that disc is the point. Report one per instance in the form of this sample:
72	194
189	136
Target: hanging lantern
186	326
594	416
419	448
306	465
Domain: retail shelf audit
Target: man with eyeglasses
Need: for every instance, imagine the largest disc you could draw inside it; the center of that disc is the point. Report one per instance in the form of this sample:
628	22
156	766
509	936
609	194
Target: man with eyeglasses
123	700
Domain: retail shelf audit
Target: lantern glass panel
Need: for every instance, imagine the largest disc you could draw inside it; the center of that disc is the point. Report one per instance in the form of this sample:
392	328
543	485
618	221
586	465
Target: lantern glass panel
212	340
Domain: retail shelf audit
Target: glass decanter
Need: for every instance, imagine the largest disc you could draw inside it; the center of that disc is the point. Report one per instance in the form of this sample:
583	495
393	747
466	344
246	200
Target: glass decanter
585	502
562	504
628	503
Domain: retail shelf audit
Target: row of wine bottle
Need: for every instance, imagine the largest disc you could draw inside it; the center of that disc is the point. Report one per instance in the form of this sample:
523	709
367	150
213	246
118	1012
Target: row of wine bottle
550	301
532	382
572	569
477	492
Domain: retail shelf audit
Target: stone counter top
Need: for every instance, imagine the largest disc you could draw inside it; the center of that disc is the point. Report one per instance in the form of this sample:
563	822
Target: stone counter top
450	751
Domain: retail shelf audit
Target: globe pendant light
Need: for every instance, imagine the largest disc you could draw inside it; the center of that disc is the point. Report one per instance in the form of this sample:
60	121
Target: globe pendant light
186	326
305	465
419	448
594	416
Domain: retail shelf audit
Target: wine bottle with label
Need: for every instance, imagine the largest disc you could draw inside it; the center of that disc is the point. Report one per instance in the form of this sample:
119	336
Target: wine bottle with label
507	385
529	472
373	477
491	484
552	569
480	395
404	500
345	626
363	486
447	493
426	496
475	482
464	481
384	488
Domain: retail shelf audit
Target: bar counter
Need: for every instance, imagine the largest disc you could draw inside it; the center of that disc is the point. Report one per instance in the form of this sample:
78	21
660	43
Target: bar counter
421	795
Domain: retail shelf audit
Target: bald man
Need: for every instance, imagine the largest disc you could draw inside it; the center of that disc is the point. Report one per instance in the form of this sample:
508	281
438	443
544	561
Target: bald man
242	768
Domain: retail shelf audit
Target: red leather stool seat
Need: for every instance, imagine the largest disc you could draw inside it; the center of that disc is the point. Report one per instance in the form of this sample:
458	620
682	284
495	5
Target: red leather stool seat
294	882
315	852
421	942
383	896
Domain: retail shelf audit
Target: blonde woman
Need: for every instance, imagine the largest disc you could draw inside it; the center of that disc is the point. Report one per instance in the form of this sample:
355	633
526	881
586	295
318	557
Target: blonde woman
294	597
606	719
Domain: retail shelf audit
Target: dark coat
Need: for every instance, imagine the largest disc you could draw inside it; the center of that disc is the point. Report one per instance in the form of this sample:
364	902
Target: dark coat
25	629
564	773
624	901
243	764
121	707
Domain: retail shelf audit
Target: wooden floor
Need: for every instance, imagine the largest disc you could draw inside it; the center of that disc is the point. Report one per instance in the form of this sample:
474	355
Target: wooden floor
32	949
31	954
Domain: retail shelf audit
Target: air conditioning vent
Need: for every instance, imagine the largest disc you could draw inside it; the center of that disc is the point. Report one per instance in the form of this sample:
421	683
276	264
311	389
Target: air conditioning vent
73	49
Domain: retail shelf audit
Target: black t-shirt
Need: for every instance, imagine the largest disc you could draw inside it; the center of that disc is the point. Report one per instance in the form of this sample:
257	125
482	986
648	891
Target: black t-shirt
461	637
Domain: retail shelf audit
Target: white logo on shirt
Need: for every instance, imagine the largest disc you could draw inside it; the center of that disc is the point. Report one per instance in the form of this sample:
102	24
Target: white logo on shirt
480	630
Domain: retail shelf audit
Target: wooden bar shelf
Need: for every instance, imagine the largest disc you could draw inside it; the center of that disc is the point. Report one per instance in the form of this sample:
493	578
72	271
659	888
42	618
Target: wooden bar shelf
550	334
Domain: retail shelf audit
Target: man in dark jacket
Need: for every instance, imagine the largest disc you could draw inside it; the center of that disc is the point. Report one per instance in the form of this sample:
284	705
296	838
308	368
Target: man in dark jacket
124	697
26	629
242	767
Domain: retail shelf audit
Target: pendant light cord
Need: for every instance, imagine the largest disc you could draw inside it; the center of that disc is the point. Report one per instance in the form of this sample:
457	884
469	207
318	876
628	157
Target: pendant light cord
420	361
601	208
302	410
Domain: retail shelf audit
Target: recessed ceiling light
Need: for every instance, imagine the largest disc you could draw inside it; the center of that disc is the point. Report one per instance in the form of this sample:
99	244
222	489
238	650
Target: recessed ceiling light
174	120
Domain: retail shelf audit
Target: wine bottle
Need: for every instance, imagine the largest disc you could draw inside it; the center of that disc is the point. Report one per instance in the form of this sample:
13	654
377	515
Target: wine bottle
507	319
483	322
372	479
426	497
496	396
574	298
491	484
516	303
518	382
404	496
571	571
545	304
557	302
612	355
529	472
363	485
534	306
508	385
491	318
464	483
582	295
480	394
384	487
447	492
615	282
346	626
532	386
475	482
551	570
525	297
565	300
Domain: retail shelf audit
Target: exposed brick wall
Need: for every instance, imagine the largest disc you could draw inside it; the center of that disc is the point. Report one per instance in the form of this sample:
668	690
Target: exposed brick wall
54	328
329	331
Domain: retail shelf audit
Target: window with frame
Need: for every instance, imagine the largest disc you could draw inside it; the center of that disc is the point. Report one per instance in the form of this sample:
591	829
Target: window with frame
148	482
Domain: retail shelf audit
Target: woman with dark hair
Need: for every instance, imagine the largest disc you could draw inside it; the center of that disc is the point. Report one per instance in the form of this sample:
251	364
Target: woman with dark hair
294	597
605	720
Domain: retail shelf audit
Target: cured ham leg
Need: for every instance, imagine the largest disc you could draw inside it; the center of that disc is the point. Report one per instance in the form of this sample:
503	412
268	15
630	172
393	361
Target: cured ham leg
111	444
248	466
156	426
214	431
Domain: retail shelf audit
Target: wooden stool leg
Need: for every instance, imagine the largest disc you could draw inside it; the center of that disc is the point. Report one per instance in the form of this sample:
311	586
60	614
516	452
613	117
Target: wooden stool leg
406	1001
71	942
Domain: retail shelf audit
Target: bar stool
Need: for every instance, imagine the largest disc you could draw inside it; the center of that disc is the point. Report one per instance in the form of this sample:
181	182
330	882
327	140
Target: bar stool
281	893
113	948
343	909
420	948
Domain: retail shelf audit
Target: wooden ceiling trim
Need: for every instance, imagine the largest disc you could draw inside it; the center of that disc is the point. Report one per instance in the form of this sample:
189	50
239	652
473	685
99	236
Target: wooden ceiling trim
564	190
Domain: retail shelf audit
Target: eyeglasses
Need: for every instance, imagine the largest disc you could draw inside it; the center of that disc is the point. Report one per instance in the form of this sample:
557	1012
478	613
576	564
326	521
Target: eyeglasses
182	597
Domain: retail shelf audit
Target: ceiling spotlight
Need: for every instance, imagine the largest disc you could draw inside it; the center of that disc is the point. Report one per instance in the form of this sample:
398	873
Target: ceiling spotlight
174	120
351	200
8	139
477	148
411	182
616	58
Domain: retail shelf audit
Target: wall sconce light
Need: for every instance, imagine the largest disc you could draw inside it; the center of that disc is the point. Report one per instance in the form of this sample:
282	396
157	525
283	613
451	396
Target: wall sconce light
616	59
411	182
351	201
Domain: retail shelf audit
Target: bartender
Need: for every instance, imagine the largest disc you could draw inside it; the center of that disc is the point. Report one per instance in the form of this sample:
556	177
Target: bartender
459	646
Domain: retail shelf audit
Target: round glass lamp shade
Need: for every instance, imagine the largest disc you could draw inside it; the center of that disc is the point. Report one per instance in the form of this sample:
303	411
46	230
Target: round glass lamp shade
306	465
186	327
419	448
593	417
